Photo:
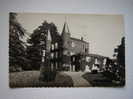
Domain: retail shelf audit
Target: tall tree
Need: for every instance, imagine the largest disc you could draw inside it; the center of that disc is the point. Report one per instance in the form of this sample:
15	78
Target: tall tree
120	56
16	45
115	69
34	51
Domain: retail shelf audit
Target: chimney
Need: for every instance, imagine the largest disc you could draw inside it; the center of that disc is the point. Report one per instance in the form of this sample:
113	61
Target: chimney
81	38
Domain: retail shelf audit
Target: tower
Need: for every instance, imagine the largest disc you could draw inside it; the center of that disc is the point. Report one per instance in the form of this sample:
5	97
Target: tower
66	44
66	36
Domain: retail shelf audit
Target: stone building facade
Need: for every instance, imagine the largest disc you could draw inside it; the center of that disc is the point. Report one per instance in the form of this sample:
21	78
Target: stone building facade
67	53
63	51
74	50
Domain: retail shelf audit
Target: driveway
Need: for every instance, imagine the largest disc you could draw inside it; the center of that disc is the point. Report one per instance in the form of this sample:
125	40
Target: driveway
78	80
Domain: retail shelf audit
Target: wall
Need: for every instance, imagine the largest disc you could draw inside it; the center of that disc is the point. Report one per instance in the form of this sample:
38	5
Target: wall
78	46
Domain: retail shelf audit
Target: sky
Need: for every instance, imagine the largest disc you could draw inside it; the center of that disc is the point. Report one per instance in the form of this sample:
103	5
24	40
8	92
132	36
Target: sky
103	32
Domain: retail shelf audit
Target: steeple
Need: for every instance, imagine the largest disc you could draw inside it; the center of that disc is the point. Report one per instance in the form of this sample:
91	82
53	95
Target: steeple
49	39
66	36
49	36
65	28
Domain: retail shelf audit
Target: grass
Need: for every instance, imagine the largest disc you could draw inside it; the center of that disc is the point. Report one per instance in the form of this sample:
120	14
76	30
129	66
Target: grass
98	80
31	79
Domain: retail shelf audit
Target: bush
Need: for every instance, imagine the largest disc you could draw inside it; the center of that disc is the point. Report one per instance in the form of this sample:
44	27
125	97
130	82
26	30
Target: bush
48	76
15	69
109	75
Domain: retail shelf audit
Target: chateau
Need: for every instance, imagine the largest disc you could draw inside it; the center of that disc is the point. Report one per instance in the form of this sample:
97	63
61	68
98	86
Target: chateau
65	53
74	50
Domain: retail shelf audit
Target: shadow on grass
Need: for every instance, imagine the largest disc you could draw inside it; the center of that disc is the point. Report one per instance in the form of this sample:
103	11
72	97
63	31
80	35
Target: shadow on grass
63	80
98	80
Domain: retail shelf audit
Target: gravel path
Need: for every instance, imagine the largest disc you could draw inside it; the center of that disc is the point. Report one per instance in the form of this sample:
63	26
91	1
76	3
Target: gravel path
78	80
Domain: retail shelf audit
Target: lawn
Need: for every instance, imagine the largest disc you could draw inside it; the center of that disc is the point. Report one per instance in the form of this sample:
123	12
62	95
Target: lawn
31	79
98	80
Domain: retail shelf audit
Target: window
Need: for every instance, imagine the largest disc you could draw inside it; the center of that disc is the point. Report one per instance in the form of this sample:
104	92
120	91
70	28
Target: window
56	45
42	34
96	61
72	53
56	65
73	44
73	68
56	54
52	66
104	61
65	52
52	45
14	30
42	43
86	50
88	59
43	59
83	46
52	55
73	59
43	51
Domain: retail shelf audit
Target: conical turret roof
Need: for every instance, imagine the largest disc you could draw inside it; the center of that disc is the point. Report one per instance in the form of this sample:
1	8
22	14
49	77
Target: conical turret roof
65	28
49	36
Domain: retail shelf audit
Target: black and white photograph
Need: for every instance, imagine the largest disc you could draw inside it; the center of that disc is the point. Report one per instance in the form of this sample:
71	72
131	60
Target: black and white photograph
66	50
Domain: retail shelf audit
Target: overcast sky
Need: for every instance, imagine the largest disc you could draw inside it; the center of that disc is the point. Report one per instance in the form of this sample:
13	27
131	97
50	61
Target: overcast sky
103	32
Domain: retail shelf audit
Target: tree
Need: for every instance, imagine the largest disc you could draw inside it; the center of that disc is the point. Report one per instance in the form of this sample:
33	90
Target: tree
34	51
115	68
16	45
120	56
